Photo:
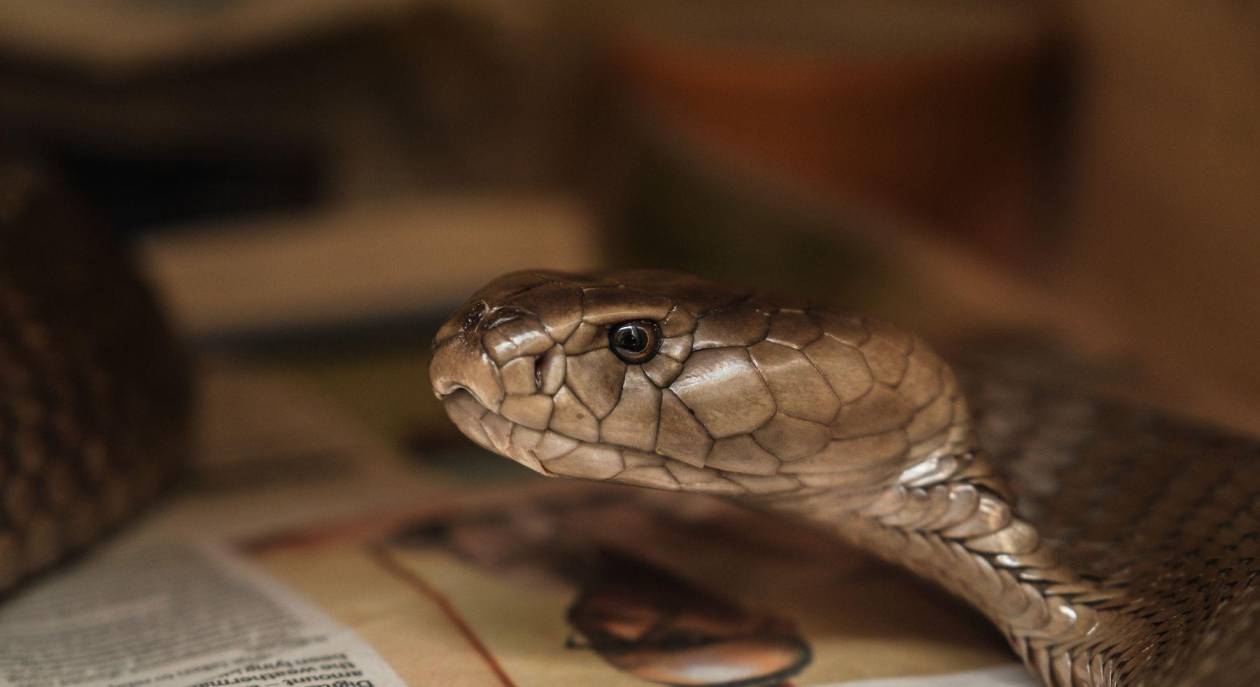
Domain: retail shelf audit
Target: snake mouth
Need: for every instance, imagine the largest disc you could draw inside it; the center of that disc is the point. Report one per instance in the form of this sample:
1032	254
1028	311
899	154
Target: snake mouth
460	394
488	429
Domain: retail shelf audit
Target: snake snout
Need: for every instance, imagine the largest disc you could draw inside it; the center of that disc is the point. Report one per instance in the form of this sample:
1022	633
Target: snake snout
461	365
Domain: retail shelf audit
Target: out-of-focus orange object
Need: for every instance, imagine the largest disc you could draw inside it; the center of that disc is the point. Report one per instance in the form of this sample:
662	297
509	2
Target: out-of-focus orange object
928	109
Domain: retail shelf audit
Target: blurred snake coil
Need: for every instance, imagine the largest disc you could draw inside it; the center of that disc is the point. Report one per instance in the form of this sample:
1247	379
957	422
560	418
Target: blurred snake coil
1110	543
94	391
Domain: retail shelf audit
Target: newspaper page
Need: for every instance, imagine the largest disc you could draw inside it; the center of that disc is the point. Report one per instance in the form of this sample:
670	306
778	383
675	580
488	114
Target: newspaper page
177	615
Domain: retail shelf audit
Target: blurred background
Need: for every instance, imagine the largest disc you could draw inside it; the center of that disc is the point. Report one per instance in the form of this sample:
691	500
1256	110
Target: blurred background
314	184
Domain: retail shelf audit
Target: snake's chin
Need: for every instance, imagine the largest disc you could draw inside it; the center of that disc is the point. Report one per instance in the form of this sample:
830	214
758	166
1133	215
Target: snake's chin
489	430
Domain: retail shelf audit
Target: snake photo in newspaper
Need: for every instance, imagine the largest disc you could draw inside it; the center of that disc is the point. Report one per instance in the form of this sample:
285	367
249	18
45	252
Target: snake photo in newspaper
94	391
1110	544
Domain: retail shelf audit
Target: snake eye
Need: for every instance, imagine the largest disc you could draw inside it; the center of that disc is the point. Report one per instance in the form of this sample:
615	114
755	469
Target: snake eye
635	342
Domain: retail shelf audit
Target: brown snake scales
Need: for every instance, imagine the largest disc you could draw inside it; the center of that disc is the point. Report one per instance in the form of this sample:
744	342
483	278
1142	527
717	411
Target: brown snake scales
94	393
1110	544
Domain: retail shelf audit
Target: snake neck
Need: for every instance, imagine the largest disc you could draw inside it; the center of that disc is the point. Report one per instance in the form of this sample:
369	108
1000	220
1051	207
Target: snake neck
954	523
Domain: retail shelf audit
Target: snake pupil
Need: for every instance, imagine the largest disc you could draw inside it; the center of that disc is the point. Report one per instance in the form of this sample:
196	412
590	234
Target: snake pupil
631	339
635	342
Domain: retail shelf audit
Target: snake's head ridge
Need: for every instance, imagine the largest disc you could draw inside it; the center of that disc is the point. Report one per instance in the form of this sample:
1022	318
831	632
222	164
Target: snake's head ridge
662	379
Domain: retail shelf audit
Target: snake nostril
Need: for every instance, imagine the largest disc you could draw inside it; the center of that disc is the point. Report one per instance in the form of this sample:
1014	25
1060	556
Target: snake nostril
549	371
473	317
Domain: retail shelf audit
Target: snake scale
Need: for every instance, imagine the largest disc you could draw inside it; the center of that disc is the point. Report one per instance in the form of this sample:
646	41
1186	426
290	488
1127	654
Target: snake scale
1109	543
94	391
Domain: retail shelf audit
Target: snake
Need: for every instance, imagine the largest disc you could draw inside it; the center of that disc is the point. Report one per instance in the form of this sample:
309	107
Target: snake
1110	543
95	391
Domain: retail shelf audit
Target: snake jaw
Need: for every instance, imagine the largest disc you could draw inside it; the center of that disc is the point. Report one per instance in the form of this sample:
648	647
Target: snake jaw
466	412
488	430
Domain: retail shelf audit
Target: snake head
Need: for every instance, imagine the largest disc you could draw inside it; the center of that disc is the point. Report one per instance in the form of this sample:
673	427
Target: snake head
662	379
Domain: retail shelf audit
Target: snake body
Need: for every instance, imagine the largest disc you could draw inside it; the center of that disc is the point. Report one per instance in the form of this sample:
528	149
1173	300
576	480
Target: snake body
1110	544
93	389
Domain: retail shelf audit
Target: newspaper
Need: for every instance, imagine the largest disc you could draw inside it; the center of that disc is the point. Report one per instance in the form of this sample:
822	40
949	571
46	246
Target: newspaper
177	615
339	564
